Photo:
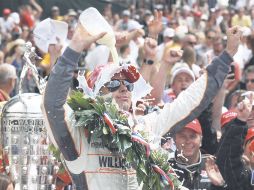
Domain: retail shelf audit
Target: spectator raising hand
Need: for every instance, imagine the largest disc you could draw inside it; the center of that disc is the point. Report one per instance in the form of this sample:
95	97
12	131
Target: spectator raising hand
233	40
148	67
244	108
149	48
155	26
124	38
171	57
159	78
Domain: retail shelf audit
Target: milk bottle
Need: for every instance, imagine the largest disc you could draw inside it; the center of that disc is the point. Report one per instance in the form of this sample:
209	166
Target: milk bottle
94	23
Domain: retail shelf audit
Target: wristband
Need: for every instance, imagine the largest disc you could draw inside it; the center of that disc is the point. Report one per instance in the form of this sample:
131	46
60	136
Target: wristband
148	61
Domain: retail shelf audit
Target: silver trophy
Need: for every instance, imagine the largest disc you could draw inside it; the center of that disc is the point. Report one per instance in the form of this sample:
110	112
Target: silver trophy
30	56
24	137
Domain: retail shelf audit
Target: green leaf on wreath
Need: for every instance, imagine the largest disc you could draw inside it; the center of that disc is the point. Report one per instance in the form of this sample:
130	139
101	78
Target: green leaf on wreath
89	115
125	143
77	101
124	130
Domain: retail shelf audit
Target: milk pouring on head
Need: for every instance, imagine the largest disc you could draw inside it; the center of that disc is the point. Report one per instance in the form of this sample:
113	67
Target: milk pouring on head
94	23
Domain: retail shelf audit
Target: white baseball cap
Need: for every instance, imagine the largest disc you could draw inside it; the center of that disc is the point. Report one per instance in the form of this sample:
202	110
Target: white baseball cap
181	67
16	18
169	32
126	13
134	25
47	32
181	31
246	31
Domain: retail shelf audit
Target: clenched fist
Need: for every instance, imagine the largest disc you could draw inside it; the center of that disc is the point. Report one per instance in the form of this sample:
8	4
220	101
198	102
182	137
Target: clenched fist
233	39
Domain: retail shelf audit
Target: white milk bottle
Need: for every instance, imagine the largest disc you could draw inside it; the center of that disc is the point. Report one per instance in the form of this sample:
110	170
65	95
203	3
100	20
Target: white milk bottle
95	23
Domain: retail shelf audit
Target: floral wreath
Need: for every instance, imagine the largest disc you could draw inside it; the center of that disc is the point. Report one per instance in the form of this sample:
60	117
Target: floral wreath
101	119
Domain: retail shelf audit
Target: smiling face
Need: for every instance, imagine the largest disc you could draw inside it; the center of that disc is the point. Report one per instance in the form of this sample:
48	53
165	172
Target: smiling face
121	94
188	142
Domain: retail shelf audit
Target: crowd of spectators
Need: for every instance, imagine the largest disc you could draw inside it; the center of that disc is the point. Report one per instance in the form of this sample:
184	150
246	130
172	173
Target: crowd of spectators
197	28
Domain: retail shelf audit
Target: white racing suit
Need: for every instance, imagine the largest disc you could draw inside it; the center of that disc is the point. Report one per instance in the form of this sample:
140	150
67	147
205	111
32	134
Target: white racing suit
96	168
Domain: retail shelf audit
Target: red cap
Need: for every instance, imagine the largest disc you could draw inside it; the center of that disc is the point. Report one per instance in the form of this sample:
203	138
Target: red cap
130	72
6	11
197	13
195	126
227	117
172	95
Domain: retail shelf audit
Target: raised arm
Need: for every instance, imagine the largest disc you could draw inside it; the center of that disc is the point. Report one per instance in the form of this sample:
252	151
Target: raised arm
155	26
37	7
57	90
191	102
149	51
159	78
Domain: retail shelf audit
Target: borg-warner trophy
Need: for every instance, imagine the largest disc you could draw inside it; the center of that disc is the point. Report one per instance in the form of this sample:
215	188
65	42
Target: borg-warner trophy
26	154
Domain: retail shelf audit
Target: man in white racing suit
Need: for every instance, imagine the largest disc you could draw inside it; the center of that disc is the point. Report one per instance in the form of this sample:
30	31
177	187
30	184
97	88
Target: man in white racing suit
91	165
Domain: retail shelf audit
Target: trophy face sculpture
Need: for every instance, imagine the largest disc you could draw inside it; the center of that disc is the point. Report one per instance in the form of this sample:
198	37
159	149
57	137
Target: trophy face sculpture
25	142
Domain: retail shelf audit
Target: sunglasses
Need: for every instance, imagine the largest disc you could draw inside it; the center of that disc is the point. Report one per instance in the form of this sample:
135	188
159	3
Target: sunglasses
210	37
249	80
115	84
